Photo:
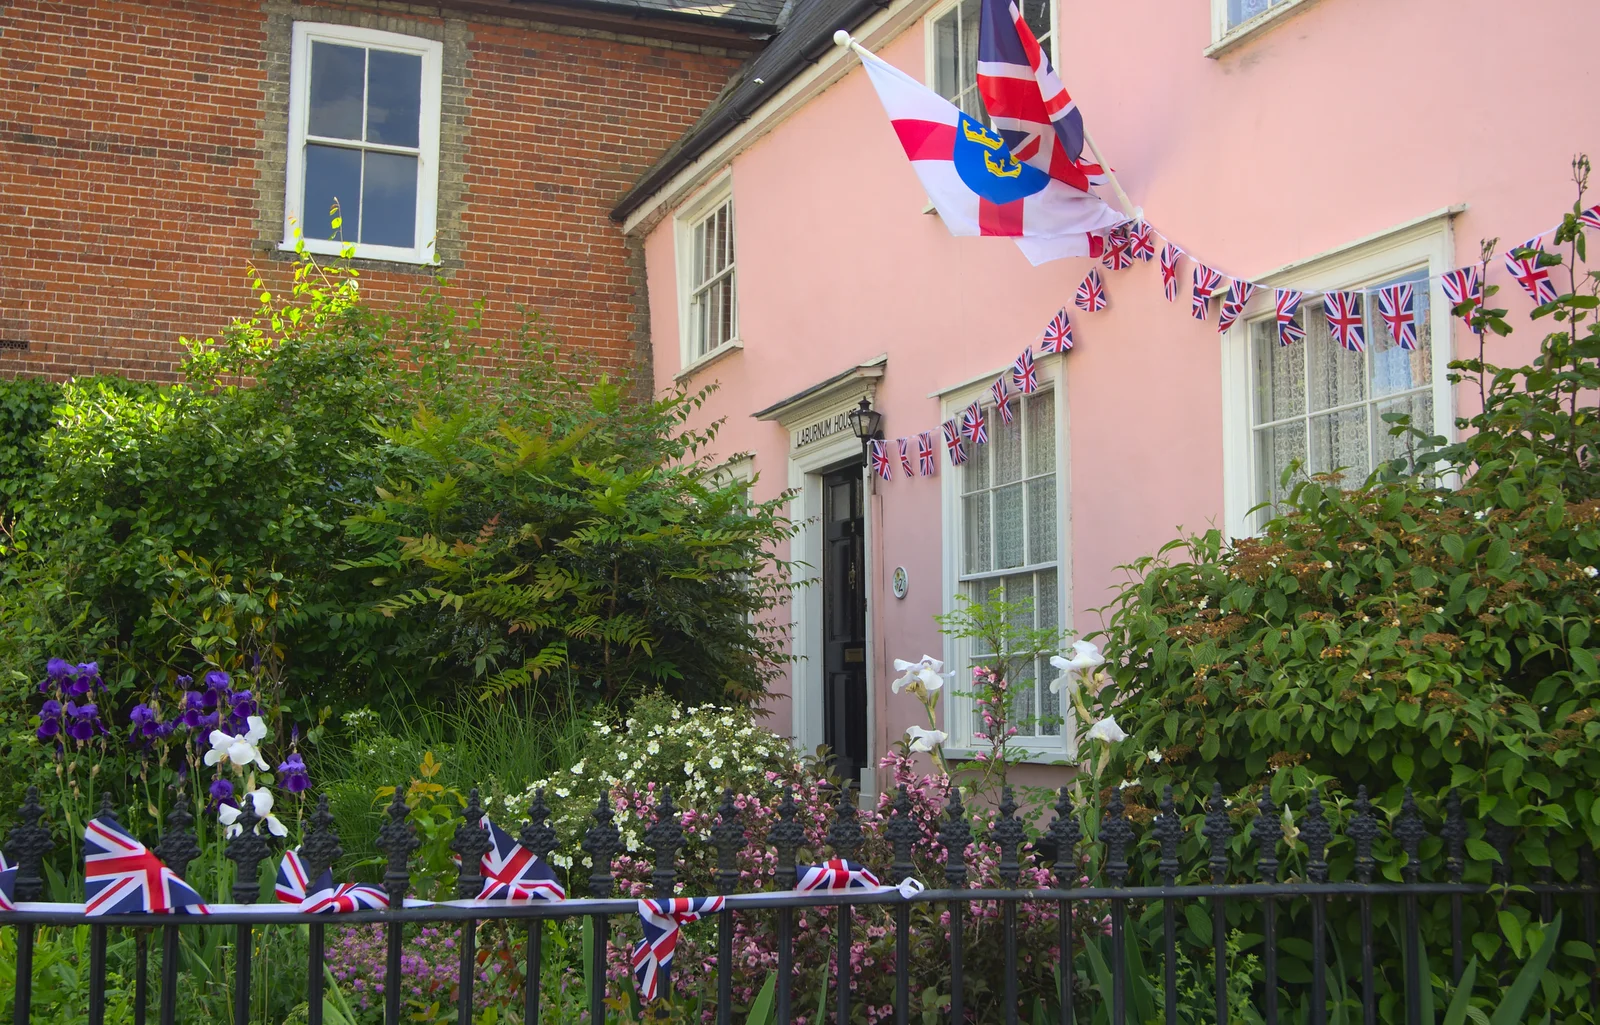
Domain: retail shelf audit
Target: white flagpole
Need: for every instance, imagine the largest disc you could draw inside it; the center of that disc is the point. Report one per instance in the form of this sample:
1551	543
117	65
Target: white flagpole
844	39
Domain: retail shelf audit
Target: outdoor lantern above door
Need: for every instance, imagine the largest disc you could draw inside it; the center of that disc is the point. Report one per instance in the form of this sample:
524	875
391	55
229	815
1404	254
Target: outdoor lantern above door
864	422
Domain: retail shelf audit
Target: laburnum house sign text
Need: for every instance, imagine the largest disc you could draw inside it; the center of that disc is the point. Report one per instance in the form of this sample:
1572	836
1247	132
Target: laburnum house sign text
824	428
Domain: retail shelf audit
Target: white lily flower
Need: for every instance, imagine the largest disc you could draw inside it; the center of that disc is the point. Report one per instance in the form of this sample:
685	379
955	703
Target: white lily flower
925	739
1154	754
926	670
1107	730
1086	658
257	731
220	742
261	801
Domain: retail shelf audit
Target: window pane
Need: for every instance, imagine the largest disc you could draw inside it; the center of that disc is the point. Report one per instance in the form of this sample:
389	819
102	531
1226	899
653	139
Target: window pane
1339	443
1008	526
1007	441
389	201
1393	368
333	175
394	97
1042	519
1276	447
1280	374
975	515
1244	10
1420	406
1337	376
946	47
1037	14
337	73
1039	411
972	104
975	474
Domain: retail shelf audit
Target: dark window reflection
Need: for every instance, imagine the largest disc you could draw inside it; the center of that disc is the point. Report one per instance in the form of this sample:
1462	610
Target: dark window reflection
333	175
389	205
394	97
337	77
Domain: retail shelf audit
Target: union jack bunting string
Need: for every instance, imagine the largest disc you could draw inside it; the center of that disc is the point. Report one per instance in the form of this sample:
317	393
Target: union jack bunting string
122	877
1397	307
1169	271
1590	217
1206	283
1023	374
1057	333
1119	255
1141	242
834	874
8	885
324	898
1534	279
974	427
953	443
1001	393
1345	320
513	873
1091	297
880	459
1233	305
1462	286
1288	301
905	457
661	921
927	463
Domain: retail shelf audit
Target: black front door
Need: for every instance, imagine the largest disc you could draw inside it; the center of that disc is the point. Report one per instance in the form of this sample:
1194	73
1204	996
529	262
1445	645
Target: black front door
844	623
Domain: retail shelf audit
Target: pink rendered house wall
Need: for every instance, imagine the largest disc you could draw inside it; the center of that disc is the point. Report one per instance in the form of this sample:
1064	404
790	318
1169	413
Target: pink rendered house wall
1341	120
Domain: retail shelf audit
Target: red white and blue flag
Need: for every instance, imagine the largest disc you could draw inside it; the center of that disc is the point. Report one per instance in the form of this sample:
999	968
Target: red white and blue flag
953	444
1119	251
661	921
975	183
324	898
1169	271
122	877
927	461
1141	242
1345	322
1057	333
1023	373
905	457
974	427
880	459
8	884
1590	218
512	873
1091	297
1239	293
1461	286
1534	279
1001	393
1288	301
1206	283
835	874
1397	307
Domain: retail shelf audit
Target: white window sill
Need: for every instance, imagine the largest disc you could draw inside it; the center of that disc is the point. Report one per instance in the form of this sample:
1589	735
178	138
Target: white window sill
726	349
1019	755
1248	30
384	254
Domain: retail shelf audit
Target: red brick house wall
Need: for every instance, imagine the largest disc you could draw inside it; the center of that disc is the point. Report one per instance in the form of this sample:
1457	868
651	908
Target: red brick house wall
142	149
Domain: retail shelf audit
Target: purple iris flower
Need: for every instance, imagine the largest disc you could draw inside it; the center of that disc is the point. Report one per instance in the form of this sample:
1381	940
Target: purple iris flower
292	774
221	791
58	668
217	680
244	704
49	719
144	720
84	721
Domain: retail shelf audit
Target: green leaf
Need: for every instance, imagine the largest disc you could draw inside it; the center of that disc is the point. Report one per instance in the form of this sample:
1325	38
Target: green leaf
1453	546
762	1009
1511	1009
1403	767
1456	1013
1477	850
1511	929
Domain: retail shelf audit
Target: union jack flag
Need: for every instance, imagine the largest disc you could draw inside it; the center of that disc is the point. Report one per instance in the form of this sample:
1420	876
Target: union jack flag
1057	333
512	873
1001	393
880	459
1119	251
661	920
1344	320
1206	283
1141	242
8	885
1169	272
835	874
1239	294
1091	297
1397	307
122	877
1023	374
324	898
1462	286
1534	279
927	462
974	427
1590	217
953	443
1288	305
905	457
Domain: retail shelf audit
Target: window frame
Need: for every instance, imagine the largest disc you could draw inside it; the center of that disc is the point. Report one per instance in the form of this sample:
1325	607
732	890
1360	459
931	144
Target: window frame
930	39
717	194
431	51
957	710
1225	37
1426	244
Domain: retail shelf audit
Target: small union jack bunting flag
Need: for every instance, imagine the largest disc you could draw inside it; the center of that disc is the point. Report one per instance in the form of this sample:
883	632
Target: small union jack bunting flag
1534	279
513	873
661	920
1091	297
1169	271
954	446
1397	307
927	462
880	459
1119	255
1001	393
834	874
8	885
1239	293
1590	218
1023	374
122	877
1206	283
905	456
974	426
1057	333
324	898
1142	242
1462	286
1345	321
1288	301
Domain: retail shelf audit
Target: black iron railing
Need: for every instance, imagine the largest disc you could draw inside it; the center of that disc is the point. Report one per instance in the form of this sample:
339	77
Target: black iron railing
1062	846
